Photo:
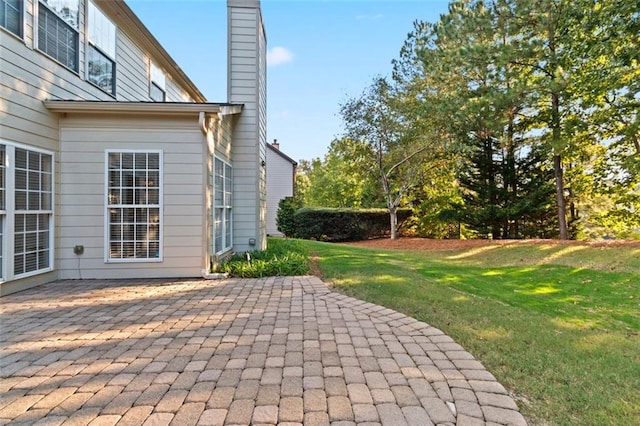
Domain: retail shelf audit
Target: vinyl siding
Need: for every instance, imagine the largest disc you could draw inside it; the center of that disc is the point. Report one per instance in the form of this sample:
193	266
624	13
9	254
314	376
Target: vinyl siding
84	140
132	70
247	85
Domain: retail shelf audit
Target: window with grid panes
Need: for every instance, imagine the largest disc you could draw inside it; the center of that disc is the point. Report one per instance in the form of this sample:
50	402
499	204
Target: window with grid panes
134	193
11	15
58	33
33	211
222	209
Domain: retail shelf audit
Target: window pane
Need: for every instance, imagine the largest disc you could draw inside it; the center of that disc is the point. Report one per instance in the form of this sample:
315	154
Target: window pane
21	158
32	180
156	93
102	32
11	15
127	161
100	70
227	224
158	77
65	9
55	36
31	242
114	161
217	227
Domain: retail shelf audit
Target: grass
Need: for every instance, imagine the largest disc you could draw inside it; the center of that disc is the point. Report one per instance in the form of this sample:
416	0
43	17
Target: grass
557	325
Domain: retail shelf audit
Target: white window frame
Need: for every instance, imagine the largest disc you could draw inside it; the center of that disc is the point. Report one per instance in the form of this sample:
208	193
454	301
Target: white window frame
108	205
108	52
226	228
3	211
8	224
22	21
157	78
40	3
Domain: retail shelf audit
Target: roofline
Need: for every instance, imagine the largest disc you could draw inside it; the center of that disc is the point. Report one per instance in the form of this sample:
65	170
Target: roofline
169	108
124	17
282	154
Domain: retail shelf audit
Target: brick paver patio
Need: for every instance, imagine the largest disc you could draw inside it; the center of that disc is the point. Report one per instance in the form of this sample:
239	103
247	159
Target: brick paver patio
261	351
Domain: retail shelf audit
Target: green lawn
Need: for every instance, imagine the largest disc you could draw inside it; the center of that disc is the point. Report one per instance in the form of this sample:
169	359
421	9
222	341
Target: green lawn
557	325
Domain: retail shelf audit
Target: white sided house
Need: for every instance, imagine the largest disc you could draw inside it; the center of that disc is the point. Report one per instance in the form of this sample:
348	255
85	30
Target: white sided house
281	180
112	162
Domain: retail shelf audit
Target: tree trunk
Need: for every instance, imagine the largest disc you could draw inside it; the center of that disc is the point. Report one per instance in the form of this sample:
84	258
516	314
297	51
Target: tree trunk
393	218
562	217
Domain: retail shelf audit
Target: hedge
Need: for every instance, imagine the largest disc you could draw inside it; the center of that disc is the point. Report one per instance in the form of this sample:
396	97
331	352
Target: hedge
340	224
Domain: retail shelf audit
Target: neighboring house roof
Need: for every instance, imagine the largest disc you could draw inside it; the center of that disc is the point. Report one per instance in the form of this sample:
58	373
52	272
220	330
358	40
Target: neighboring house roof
143	107
124	18
282	154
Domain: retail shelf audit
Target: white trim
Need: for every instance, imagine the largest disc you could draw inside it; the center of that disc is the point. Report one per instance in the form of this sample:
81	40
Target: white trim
107	237
8	246
142	107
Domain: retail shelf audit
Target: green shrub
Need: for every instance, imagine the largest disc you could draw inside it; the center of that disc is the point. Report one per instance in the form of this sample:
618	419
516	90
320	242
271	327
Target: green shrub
341	224
283	257
284	218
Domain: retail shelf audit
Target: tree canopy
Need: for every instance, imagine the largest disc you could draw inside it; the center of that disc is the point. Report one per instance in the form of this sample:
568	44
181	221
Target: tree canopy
515	118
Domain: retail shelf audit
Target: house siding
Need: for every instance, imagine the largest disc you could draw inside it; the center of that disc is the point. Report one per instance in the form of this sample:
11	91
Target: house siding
247	85
84	141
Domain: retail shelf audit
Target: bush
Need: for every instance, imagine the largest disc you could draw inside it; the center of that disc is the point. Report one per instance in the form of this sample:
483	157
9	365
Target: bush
333	224
283	257
284	218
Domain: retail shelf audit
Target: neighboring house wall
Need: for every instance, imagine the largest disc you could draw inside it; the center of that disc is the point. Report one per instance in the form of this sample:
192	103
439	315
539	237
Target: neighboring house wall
247	85
280	184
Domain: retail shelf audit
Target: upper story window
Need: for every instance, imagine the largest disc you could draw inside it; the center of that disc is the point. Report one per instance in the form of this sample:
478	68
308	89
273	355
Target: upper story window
101	50
157	84
58	33
11	15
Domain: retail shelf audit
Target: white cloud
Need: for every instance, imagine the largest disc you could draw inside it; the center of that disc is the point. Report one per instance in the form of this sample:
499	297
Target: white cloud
369	17
278	55
282	114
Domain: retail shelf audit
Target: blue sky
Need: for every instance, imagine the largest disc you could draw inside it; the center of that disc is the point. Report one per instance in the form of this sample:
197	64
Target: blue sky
321	53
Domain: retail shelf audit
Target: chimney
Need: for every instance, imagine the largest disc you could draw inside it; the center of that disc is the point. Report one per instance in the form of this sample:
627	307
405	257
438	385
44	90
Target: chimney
247	85
275	144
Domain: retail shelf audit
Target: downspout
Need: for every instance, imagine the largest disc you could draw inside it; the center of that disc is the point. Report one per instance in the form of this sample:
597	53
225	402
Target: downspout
202	123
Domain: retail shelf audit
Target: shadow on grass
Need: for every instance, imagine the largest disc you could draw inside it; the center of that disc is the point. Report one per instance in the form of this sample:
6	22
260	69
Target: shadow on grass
563	338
